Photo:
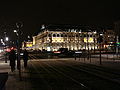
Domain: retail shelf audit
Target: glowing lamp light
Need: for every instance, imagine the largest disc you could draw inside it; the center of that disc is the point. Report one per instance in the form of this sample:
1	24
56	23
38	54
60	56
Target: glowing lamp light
6	38
48	49
15	30
101	34
95	32
1	40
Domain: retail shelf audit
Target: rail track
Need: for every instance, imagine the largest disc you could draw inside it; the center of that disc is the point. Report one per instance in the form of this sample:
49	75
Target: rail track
57	79
75	71
102	72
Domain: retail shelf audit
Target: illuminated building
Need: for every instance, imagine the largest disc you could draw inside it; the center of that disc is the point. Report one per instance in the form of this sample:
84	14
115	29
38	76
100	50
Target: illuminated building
109	39
71	37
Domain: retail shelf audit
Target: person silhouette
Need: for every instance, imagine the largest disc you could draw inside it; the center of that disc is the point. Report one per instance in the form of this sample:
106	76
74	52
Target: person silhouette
12	58
25	58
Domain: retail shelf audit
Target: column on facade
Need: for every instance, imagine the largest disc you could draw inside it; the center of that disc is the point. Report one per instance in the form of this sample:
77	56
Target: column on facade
79	40
68	36
66	40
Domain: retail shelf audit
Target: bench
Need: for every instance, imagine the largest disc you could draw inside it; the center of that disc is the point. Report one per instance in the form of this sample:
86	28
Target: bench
3	79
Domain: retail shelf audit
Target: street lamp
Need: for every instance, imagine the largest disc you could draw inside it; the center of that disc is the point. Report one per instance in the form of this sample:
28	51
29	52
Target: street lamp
94	40
6	38
5	43
100	40
15	31
18	33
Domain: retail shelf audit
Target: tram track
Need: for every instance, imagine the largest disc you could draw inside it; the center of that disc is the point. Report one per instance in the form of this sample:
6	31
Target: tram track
97	71
77	82
77	67
112	80
90	74
36	75
54	73
67	76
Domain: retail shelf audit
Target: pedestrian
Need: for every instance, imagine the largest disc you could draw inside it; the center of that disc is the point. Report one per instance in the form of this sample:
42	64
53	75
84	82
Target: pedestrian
12	58
25	58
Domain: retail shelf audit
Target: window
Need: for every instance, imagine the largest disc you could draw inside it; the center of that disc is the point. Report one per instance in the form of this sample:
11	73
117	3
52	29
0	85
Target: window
54	35
76	35
49	35
85	35
65	35
58	35
90	35
80	35
61	35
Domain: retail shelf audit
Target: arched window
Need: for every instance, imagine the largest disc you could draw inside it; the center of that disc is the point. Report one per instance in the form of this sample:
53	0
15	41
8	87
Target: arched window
81	35
49	35
65	35
90	35
58	35
76	35
85	35
61	35
54	35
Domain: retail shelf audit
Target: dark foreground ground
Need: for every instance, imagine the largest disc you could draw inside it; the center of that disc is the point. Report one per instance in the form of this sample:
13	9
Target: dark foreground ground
66	74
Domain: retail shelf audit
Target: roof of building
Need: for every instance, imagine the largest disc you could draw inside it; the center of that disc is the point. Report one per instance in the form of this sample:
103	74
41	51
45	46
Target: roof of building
67	27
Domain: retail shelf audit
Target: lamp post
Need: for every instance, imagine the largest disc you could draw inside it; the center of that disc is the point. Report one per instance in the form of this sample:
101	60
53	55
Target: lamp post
88	45
5	43
18	33
94	40
117	41
100	40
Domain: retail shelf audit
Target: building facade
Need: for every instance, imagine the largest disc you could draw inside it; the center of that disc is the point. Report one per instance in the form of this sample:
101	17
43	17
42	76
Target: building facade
28	45
109	39
71	38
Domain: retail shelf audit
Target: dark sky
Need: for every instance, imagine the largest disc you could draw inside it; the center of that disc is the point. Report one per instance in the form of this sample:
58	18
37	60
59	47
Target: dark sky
33	14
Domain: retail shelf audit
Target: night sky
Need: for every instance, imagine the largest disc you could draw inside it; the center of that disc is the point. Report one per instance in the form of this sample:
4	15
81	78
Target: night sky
33	14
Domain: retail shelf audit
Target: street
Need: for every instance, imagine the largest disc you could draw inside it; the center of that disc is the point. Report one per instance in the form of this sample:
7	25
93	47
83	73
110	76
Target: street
64	74
68	75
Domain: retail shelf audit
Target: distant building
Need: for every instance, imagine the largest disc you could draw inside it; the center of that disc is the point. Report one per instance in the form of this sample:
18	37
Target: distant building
52	38
71	37
117	30
27	45
109	39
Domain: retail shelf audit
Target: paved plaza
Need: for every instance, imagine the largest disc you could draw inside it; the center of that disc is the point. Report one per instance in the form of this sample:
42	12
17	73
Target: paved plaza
13	82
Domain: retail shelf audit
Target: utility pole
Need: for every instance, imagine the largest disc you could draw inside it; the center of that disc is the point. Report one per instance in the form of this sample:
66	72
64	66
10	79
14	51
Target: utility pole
100	40
117	41
100	54
88	45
